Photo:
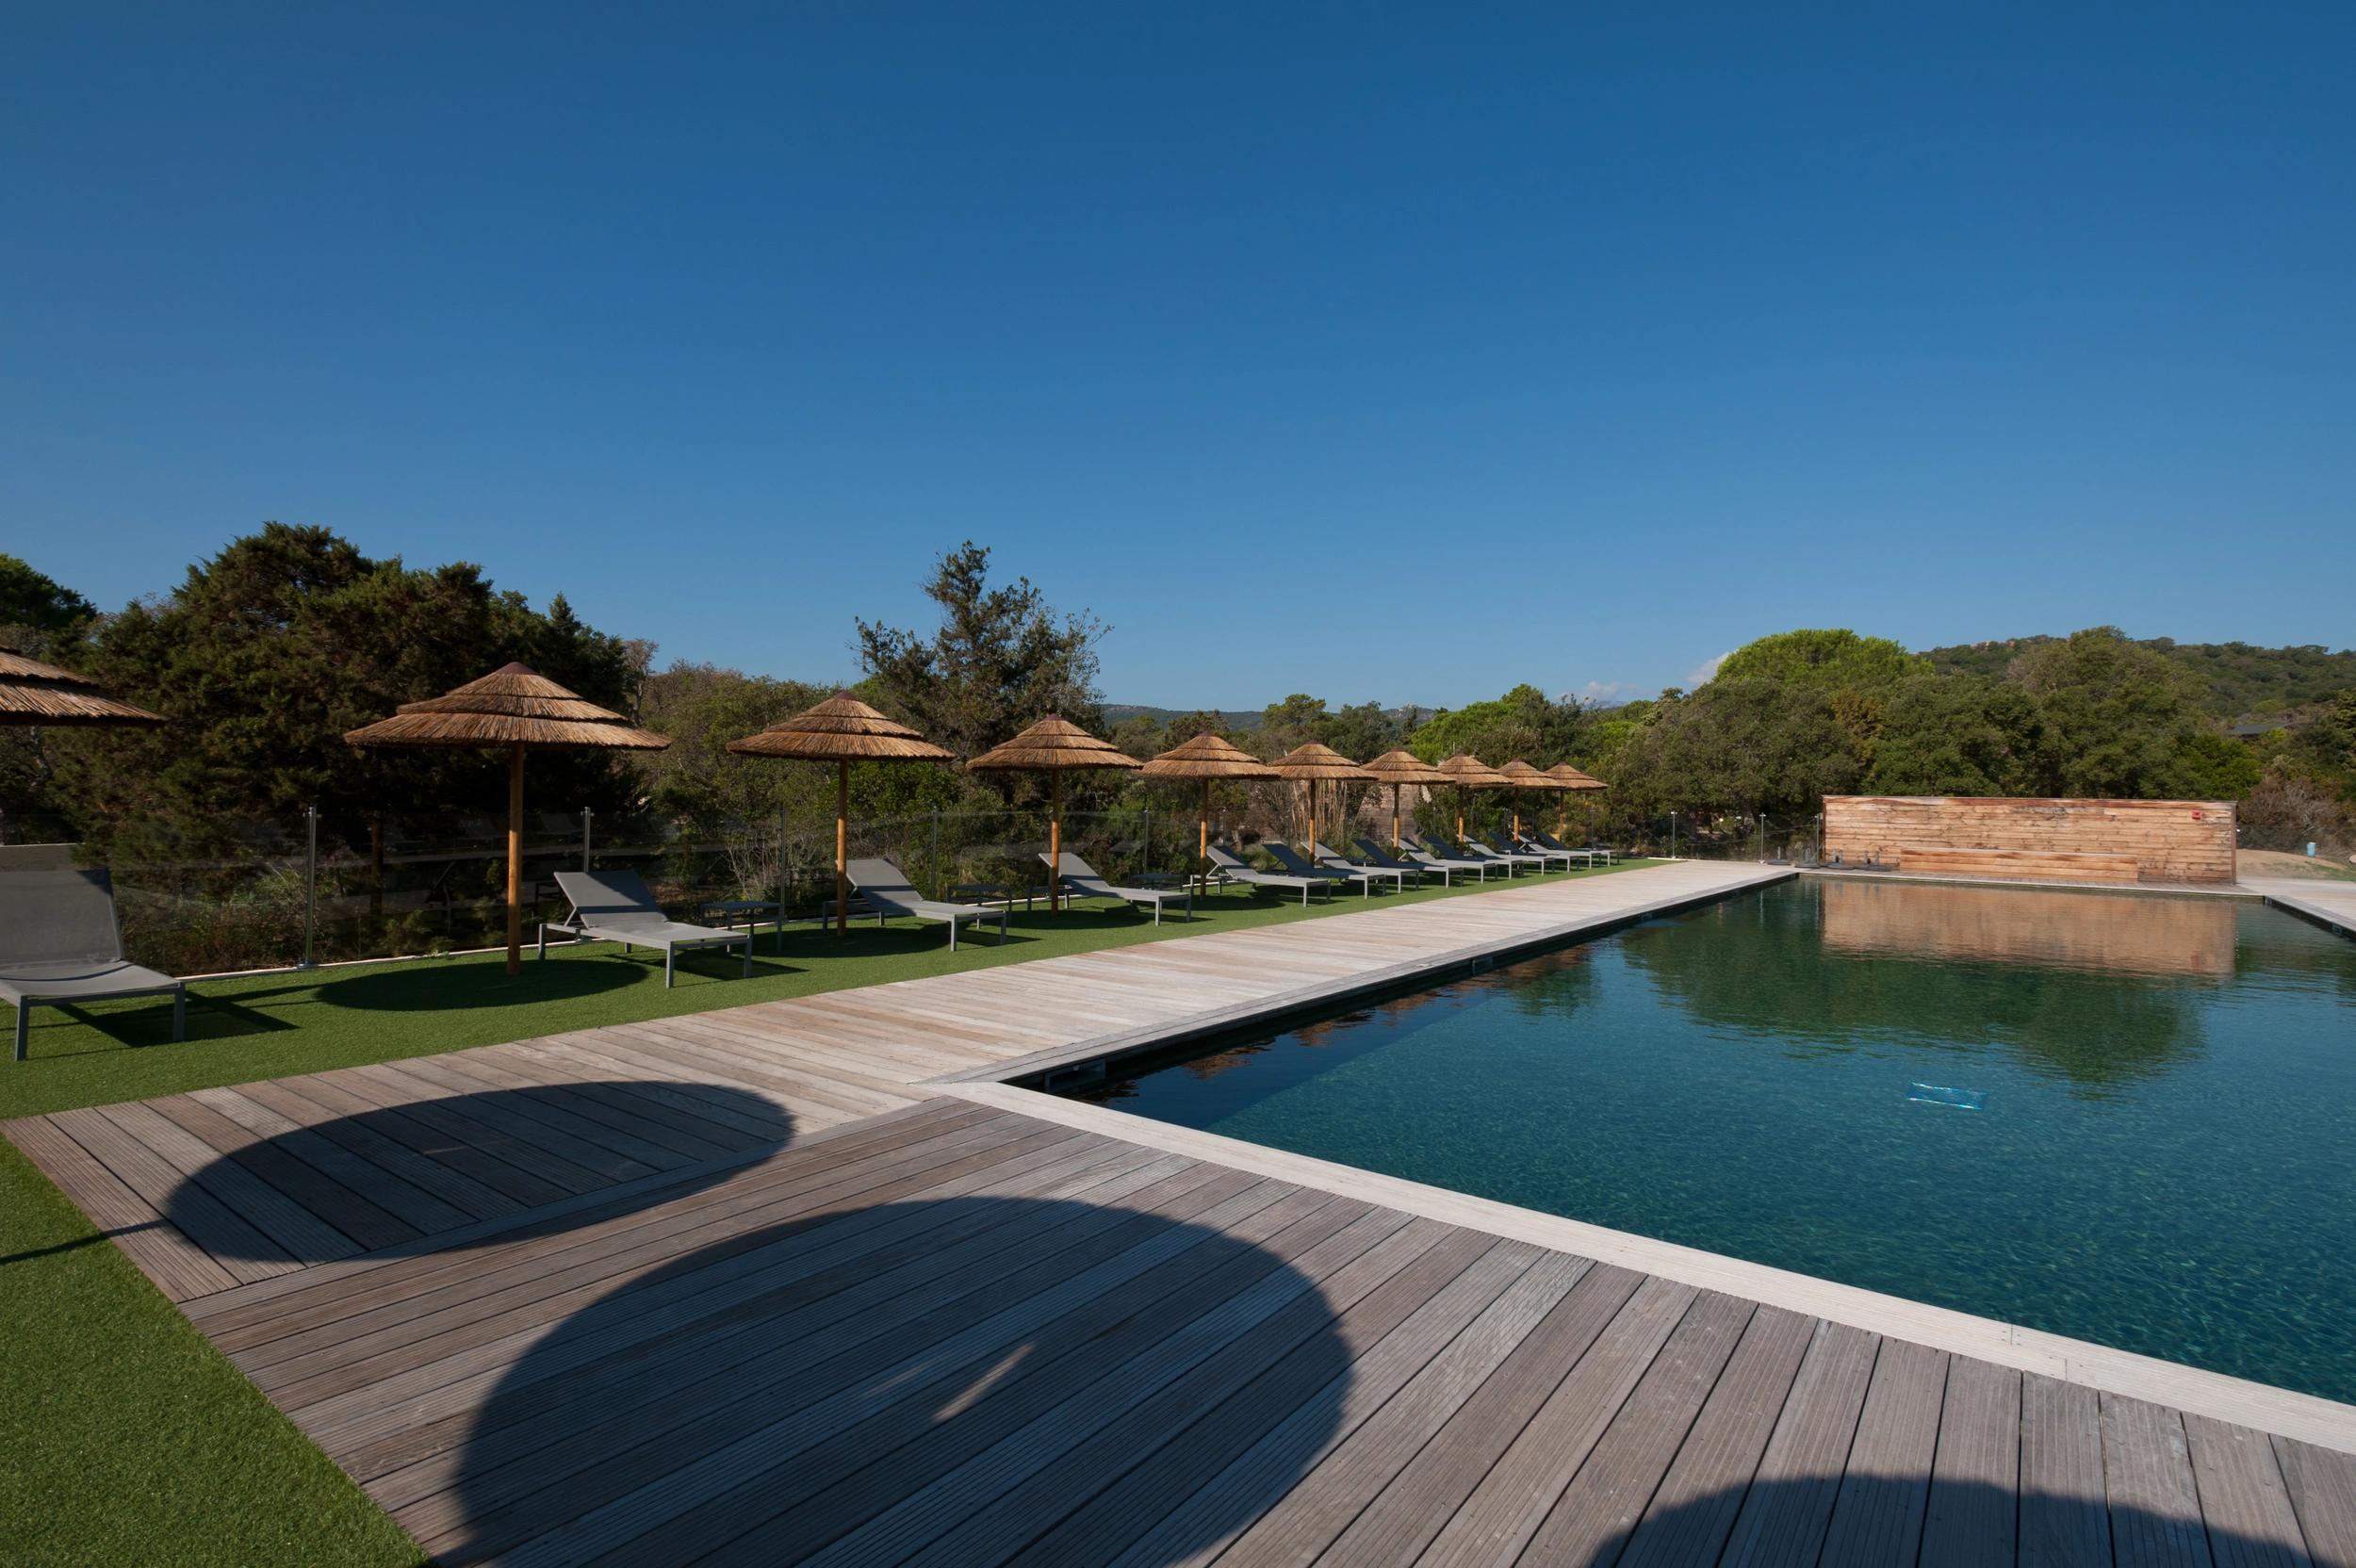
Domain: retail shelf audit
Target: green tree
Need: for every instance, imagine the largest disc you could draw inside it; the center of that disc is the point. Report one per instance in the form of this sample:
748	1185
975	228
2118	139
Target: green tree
1756	745
1959	735
2118	716
1524	723
1834	659
1000	659
36	611
270	651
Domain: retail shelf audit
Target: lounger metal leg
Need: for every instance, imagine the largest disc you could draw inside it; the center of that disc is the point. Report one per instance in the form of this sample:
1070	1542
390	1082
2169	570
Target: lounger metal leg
24	1026
668	954
953	936
179	1016
748	960
543	939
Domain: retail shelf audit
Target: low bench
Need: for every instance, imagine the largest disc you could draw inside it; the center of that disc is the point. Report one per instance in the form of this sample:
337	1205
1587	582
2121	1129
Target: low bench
2020	865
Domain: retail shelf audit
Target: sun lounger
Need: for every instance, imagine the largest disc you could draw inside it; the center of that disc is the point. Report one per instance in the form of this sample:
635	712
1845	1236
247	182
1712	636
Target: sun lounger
1477	849
1083	880
1375	861
1231	869
1552	846
1526	845
619	906
1288	858
60	944
1434	851
885	887
1377	856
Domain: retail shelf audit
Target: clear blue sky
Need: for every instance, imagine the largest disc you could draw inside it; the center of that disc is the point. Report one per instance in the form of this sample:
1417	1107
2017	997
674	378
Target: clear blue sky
1363	350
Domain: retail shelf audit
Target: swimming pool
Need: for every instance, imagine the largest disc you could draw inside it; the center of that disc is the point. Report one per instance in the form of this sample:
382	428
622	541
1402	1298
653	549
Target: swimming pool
2163	1156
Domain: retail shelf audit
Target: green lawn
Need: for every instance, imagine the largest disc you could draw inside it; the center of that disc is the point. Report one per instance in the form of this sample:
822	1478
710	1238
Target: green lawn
127	1438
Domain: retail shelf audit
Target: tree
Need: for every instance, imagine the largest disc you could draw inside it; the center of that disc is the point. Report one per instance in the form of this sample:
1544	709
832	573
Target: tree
1000	659
37	610
270	650
1748	745
2118	716
1959	735
1835	658
1524	723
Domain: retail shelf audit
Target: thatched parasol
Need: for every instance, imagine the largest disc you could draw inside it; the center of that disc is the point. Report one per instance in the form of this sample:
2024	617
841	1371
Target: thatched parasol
1572	780
1521	775
1399	769
32	693
1467	772
842	730
518	711
1206	757
1051	746
1316	763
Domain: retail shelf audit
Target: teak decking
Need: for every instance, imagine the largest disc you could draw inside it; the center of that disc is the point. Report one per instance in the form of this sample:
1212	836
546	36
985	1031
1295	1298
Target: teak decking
737	1289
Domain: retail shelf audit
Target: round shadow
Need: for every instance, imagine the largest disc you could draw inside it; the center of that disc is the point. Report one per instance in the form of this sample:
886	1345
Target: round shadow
1075	1374
455	987
403	1174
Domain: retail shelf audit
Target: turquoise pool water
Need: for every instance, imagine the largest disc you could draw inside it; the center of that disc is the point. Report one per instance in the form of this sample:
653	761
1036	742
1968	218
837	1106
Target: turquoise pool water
2164	1158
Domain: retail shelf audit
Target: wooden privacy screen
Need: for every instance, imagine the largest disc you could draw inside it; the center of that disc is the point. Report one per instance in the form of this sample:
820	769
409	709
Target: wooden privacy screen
2037	840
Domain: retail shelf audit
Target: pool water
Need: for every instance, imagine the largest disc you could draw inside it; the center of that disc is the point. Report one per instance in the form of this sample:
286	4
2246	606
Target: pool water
2161	1157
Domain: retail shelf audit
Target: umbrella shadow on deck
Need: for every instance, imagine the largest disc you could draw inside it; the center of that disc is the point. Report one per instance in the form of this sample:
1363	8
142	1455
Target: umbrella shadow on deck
404	1175
957	1379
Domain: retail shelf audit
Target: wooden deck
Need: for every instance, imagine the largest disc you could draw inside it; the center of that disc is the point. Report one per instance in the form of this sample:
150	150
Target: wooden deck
740	1289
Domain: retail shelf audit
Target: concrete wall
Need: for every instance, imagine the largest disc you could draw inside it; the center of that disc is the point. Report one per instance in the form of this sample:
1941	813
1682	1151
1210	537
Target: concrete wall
2108	841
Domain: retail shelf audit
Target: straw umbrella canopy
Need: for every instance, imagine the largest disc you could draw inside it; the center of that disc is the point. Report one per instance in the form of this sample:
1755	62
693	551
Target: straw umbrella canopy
32	693
1572	780
1399	769
1316	763
842	730
1052	746
1206	757
514	709
1521	775
1467	772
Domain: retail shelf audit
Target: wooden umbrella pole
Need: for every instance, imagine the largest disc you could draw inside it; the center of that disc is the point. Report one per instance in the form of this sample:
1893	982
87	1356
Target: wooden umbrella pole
841	850
1395	789
1055	841
515	859
1202	842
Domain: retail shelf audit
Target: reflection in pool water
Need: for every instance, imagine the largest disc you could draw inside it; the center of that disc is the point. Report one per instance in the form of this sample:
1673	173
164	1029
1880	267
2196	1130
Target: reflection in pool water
2166	1159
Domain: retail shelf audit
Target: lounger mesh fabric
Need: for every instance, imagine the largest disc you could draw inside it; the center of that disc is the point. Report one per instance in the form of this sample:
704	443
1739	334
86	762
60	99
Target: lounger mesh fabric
59	943
618	905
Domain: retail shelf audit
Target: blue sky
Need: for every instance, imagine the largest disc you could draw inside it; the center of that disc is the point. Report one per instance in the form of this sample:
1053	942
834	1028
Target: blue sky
1372	352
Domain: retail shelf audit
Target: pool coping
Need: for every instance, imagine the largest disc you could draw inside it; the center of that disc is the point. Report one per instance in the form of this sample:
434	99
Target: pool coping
2306	1417
2124	890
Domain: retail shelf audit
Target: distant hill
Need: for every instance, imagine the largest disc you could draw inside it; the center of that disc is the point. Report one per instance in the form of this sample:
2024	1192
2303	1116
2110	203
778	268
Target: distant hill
2242	679
1116	712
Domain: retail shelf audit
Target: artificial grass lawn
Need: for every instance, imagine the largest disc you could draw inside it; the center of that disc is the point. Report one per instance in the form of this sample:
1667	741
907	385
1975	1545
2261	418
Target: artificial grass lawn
128	1437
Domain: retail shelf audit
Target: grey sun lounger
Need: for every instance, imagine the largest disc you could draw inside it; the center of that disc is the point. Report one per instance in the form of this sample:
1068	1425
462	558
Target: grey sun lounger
1334	860
619	906
1526	845
1553	845
1435	853
1231	869
1377	856
885	889
1084	880
60	944
1512	858
1365	877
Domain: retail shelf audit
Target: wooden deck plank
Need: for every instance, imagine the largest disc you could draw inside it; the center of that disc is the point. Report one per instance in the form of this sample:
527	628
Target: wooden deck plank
1692	1511
1597	1512
1973	1513
1399	1521
179	1268
1511	1501
1789	1503
834	1485
242	1251
2147	1470
2064	1510
337	1204
1878	1517
2245	1502
2322	1485
415	1207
